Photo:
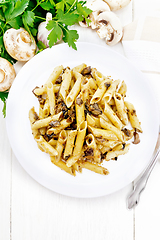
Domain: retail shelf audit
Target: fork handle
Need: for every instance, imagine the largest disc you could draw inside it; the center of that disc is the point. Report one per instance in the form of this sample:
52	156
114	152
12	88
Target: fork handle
140	184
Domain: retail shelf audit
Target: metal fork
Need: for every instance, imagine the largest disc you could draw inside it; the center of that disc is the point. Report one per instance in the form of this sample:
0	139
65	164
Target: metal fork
140	183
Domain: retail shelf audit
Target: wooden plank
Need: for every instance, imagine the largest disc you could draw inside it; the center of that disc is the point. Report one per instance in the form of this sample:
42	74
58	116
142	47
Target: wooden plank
142	7
38	213
148	211
5	179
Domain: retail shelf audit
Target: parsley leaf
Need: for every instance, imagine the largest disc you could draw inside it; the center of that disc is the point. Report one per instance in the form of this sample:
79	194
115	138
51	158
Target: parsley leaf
28	18
47	5
41	46
67	18
3	97
70	37
19	8
55	34
83	12
15	23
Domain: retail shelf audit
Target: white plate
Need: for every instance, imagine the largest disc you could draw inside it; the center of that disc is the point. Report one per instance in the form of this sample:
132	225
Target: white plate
37	163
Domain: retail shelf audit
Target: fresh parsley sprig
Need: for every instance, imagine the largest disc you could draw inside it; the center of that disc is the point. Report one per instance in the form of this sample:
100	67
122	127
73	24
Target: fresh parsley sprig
29	14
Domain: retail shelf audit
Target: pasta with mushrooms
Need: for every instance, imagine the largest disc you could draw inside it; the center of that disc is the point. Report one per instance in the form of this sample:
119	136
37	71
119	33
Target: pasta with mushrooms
83	119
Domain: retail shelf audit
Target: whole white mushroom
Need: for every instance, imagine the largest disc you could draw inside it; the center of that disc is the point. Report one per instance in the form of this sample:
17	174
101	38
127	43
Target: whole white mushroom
19	44
7	74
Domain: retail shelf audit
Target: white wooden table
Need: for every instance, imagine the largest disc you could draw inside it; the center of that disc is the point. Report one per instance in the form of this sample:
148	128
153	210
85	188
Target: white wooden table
28	211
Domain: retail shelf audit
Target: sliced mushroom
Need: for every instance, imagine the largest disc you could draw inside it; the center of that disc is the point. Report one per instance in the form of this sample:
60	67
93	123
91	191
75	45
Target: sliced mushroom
117	4
19	44
110	27
97	6
136	138
7	74
95	110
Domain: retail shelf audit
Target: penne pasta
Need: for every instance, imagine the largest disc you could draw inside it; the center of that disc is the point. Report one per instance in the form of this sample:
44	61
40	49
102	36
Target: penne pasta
111	90
51	97
102	133
112	128
39	91
52	142
91	143
46	109
83	119
98	76
62	165
54	75
72	160
122	114
112	116
46	146
103	116
75	89
60	144
33	117
114	153
70	143
92	121
133	116
100	91
123	89
80	138
45	121
79	68
66	81
85	89
78	144
95	168
92	84
62	125
107	143
79	104
77	167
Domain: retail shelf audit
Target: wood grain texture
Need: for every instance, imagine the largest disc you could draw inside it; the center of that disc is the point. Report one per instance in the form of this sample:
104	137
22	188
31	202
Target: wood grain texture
28	211
5	180
38	213
148	211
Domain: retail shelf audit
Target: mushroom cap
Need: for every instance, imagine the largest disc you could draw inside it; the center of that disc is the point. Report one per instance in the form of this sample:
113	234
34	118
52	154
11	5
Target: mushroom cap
7	74
117	4
110	27
19	44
